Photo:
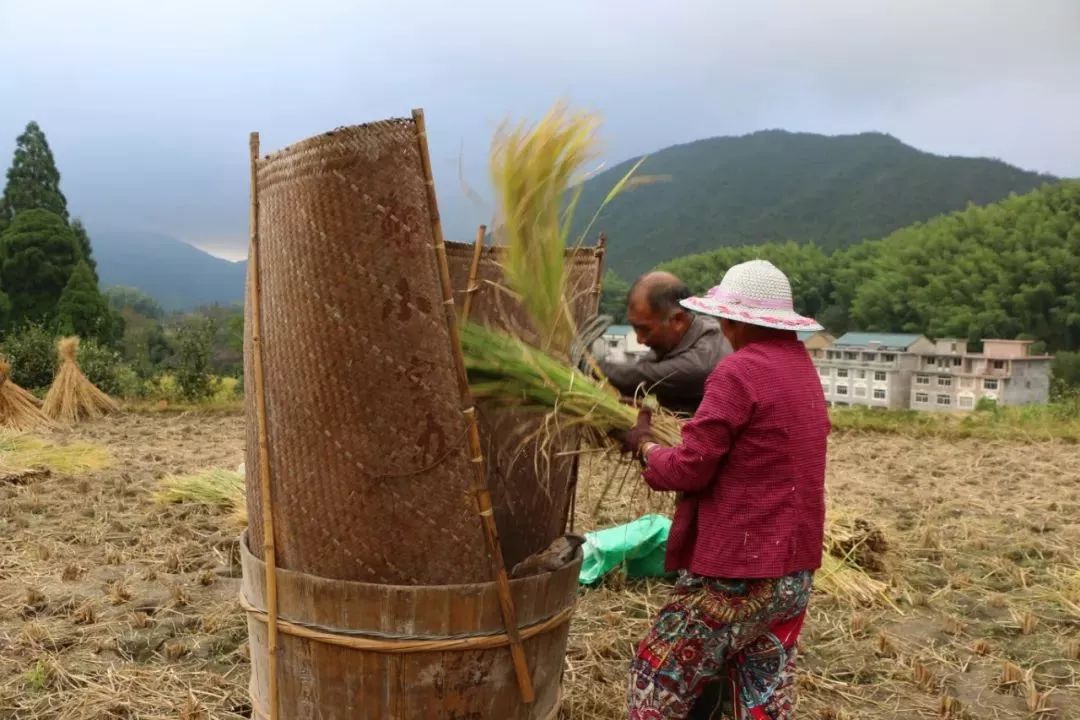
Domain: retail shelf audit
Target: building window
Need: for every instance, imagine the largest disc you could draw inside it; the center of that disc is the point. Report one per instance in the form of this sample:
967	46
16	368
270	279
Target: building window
841	372
824	372
922	379
922	398
879	393
832	354
944	400
957	362
990	384
869	357
999	364
851	356
944	382
888	357
965	402
860	391
861	374
841	390
825	388
879	376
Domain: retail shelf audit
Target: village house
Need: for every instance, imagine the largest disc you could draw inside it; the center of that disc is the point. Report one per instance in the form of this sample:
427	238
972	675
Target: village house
816	341
871	369
951	378
619	344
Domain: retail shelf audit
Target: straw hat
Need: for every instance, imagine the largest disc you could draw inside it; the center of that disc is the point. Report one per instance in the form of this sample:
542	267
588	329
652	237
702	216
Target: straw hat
755	292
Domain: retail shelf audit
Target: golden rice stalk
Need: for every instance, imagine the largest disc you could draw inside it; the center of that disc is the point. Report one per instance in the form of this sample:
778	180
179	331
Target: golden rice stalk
217	488
848	583
72	397
510	372
19	451
18	407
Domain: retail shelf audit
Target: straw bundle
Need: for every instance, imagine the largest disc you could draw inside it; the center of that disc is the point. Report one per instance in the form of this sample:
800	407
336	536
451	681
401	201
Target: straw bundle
72	396
216	488
18	408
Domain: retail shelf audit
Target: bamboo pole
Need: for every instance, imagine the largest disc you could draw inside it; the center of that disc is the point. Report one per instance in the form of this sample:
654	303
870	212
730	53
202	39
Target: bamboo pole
480	487
474	269
270	557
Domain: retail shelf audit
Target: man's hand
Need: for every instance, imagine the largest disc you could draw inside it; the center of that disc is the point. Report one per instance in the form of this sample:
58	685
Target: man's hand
631	440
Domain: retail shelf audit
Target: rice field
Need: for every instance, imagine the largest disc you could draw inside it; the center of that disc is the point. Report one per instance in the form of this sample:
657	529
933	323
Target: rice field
115	605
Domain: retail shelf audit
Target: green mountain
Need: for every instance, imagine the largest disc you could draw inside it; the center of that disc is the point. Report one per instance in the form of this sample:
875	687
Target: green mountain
775	186
177	275
1006	270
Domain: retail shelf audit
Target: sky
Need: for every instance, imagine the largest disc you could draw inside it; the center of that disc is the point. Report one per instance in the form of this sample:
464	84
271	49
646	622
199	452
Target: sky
148	106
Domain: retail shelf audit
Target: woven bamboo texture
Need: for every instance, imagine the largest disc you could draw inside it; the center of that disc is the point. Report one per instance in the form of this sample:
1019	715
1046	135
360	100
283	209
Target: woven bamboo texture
390	678
369	468
530	495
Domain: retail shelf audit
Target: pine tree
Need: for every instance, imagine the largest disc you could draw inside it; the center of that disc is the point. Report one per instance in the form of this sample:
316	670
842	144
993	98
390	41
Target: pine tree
82	309
33	182
82	239
37	255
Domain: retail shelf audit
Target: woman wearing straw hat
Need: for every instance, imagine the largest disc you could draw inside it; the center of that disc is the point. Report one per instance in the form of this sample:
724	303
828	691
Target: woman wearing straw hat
748	530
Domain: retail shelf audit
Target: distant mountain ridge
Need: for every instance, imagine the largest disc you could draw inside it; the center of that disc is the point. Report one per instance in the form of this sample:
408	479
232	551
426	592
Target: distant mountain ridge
179	276
774	185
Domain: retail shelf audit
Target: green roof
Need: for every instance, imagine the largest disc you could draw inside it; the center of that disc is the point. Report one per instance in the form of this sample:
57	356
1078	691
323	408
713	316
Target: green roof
885	341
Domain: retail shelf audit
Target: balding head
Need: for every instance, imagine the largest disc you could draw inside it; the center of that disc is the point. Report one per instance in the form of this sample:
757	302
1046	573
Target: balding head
661	290
653	309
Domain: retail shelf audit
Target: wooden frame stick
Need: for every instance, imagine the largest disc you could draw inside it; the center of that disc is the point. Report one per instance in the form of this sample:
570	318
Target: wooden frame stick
474	270
480	487
270	557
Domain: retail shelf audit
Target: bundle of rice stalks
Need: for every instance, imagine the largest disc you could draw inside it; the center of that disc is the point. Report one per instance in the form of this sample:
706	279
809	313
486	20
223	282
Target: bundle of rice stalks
847	583
72	396
510	372
18	407
537	174
19	451
216	488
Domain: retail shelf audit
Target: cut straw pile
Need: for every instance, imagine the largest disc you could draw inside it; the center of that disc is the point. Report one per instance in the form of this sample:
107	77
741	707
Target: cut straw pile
215	488
18	407
72	396
19	451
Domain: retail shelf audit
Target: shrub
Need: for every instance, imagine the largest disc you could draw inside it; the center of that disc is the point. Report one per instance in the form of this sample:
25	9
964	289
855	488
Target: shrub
101	365
31	350
194	345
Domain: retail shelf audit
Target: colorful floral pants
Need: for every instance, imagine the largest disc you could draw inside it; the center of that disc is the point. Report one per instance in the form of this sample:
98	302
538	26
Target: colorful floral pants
743	631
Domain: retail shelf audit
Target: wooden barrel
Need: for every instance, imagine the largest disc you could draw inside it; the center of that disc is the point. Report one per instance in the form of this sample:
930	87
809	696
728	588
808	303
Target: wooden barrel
362	651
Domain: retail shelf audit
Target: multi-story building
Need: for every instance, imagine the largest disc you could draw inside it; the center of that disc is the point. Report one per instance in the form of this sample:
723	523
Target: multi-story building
872	369
951	378
816	342
619	344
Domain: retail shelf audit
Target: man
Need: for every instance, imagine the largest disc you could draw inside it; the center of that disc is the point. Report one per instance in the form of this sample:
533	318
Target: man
749	525
683	348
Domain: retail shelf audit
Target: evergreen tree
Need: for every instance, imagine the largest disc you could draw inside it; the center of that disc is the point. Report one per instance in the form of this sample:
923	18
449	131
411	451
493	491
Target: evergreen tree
82	310
82	239
33	182
37	255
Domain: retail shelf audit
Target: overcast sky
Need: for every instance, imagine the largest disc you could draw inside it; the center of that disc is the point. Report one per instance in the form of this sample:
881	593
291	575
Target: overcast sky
147	105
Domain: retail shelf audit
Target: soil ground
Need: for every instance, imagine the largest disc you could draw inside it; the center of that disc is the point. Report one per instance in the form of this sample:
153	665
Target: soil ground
115	606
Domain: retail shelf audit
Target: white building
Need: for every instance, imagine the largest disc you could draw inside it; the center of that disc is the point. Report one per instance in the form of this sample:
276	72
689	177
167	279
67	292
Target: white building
619	344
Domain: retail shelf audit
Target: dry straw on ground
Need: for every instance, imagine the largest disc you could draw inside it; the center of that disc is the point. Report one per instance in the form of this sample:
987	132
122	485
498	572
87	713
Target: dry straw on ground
72	396
18	407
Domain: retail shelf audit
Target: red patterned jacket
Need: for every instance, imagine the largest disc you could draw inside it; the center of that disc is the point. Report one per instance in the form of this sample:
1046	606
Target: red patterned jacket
751	468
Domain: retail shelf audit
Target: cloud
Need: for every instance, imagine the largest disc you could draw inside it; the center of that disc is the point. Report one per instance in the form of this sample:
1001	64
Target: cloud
148	106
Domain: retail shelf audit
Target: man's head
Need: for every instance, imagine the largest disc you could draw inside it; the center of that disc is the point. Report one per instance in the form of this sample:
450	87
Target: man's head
653	308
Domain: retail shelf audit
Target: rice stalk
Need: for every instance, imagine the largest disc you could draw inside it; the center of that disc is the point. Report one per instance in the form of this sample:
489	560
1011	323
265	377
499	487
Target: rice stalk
18	407
509	372
216	488
19	451
72	397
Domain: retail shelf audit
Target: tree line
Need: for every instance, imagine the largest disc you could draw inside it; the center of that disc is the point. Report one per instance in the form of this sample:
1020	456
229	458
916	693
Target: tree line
1006	270
49	287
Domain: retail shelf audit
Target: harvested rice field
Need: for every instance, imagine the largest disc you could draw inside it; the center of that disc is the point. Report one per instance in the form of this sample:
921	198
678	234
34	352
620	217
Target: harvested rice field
113	605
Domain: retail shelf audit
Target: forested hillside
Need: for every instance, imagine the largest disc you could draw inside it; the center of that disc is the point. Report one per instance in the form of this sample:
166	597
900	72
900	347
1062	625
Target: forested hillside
1006	270
776	186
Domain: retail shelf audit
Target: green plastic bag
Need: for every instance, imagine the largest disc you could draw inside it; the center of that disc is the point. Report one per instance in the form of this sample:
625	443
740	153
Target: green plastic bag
639	546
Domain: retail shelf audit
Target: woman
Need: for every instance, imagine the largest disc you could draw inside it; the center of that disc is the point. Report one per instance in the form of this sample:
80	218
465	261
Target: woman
748	529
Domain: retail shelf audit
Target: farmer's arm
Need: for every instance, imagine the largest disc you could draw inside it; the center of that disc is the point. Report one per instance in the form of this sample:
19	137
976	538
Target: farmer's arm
685	367
707	438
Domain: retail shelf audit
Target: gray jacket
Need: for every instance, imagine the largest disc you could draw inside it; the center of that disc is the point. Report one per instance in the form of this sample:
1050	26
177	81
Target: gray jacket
678	378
